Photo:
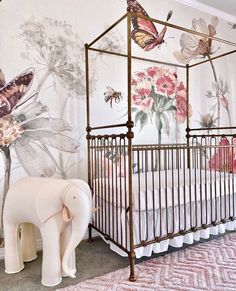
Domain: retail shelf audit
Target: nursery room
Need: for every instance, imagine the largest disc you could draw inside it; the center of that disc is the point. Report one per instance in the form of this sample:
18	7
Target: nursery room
118	145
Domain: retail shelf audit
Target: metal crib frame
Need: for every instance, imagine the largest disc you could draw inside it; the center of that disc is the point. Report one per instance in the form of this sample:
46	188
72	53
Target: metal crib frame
97	141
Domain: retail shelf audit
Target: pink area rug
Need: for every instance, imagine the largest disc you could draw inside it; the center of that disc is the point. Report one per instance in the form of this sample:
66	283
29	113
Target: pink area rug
206	266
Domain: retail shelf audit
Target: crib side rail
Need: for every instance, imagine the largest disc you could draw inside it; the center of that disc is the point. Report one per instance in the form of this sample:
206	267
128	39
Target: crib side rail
177	189
180	189
109	182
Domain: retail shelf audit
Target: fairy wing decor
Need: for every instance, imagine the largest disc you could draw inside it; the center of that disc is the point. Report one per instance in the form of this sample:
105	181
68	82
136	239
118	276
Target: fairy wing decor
12	92
145	33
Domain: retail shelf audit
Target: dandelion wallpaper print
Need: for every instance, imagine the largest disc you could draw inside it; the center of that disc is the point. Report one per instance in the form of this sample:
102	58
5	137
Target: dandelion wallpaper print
42	80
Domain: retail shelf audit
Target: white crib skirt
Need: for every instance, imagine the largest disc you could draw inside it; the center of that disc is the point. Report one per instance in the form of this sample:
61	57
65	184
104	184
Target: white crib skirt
144	221
176	242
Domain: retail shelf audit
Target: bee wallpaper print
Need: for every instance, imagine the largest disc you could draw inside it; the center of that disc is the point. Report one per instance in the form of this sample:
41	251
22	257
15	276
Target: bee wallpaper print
42	80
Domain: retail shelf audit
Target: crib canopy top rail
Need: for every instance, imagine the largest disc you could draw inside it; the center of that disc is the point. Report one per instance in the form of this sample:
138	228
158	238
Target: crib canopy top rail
168	24
212	58
174	26
107	30
137	58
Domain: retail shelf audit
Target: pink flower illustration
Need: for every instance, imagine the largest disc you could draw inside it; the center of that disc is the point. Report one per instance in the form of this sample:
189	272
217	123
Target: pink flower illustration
136	99
224	159
143	91
166	85
158	97
140	75
181	109
144	88
143	104
155	72
181	89
134	82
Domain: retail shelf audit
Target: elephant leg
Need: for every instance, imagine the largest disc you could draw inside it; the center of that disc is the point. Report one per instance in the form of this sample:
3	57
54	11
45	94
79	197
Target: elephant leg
51	265
65	238
28	242
13	256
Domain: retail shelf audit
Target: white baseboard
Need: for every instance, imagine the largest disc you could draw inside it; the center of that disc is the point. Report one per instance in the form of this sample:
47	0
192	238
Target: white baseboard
39	244
1	253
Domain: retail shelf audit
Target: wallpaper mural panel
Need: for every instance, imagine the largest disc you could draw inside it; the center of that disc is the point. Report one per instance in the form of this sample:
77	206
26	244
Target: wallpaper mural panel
42	79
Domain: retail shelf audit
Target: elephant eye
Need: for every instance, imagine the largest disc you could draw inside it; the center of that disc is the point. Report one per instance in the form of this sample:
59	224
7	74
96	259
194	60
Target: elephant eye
74	197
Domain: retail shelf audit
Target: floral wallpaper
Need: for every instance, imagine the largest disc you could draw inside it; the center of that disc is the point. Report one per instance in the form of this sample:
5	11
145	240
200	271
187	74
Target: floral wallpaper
42	80
158	96
193	47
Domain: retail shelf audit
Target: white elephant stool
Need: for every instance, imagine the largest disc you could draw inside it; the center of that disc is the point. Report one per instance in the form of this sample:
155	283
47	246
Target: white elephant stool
61	209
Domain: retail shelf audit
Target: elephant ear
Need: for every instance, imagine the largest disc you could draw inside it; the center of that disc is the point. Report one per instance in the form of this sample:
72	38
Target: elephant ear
82	185
48	201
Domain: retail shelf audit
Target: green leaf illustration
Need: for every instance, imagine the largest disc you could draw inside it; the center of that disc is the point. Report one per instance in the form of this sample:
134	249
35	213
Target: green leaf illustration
168	104
143	121
157	121
172	107
138	116
134	109
165	123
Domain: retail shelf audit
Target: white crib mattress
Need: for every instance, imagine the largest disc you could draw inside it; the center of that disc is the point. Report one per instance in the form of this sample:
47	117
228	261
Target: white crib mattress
151	189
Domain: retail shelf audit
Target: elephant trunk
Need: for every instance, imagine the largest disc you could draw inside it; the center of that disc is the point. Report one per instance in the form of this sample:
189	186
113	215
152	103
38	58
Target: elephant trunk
79	225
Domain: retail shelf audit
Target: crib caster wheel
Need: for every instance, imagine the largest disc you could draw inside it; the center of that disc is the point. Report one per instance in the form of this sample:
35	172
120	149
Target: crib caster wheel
132	278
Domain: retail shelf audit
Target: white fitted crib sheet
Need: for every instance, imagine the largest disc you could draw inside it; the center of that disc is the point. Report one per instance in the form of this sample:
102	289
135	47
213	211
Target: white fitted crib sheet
151	189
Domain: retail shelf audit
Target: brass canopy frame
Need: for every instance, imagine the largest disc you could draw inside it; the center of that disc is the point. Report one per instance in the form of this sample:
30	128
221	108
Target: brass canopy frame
127	136
130	57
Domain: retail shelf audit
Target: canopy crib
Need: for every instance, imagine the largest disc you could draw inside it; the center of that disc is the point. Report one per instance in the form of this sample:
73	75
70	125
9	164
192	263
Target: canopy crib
155	195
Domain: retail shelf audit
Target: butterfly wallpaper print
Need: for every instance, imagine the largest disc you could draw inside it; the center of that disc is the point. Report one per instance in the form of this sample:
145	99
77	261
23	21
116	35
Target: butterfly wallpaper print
145	33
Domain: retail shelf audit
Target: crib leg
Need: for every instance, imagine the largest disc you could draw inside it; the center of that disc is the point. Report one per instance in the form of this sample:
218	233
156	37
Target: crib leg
132	276
90	239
